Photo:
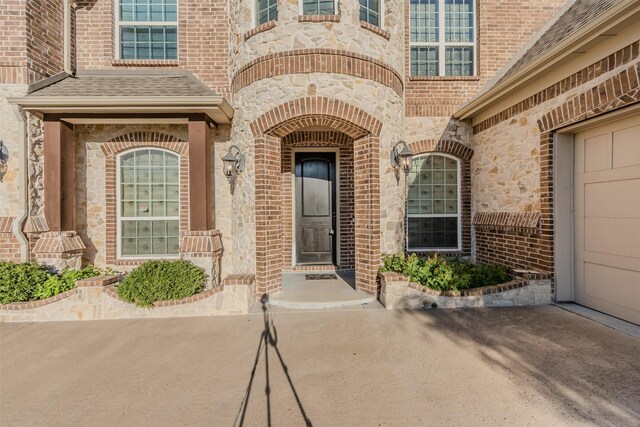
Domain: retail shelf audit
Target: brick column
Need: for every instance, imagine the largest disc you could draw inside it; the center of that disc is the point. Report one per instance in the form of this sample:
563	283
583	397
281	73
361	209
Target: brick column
367	211
269	219
200	176
59	175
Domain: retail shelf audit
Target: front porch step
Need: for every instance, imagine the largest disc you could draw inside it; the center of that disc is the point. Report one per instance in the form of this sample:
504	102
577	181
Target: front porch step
358	300
298	293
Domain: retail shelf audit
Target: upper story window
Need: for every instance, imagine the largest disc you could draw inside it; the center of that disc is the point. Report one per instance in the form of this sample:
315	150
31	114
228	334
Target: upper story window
148	203
442	37
318	7
370	11
266	10
433	203
147	29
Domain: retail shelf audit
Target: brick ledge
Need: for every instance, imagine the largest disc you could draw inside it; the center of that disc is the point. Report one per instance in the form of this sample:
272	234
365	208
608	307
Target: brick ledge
260	29
318	18
375	29
38	303
485	290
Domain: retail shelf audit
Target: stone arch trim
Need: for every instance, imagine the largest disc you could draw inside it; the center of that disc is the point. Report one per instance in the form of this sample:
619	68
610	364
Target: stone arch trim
306	61
143	139
316	111
442	146
132	141
464	154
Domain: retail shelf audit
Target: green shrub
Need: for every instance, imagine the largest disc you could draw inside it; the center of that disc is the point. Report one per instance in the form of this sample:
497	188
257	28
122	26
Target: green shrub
29	281
56	284
161	280
441	274
18	282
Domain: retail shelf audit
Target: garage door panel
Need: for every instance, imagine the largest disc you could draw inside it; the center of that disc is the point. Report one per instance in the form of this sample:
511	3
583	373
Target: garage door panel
607	218
614	236
615	261
624	302
626	147
613	199
597	153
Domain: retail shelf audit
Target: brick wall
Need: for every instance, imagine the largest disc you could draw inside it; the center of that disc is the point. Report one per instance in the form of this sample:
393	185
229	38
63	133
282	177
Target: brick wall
9	245
203	39
31	40
503	28
320	140
607	85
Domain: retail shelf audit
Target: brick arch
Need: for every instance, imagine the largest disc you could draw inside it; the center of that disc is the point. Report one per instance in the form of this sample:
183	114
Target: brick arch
464	153
143	139
446	146
129	141
283	122
316	111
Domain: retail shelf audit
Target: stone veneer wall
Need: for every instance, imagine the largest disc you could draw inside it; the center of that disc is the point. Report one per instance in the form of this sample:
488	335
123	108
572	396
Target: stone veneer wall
521	182
94	186
331	59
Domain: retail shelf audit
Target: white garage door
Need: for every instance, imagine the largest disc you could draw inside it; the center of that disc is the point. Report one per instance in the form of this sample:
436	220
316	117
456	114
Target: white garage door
607	218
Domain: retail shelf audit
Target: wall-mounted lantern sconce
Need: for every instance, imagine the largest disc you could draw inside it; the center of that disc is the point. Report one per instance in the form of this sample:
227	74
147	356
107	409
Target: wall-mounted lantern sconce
4	159
401	159
233	164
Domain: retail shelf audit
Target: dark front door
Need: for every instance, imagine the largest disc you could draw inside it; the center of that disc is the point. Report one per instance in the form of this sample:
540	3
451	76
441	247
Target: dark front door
315	208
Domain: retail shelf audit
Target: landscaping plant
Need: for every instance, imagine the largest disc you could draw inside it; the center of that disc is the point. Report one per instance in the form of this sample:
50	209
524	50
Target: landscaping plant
439	273
28	281
161	280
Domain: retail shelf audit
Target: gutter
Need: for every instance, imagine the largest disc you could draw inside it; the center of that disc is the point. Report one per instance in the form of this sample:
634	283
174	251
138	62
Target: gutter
23	189
550	58
116	101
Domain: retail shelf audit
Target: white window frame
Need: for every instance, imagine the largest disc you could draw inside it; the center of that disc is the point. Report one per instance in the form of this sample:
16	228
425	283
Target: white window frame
119	23
458	215
336	11
120	218
254	13
442	44
381	4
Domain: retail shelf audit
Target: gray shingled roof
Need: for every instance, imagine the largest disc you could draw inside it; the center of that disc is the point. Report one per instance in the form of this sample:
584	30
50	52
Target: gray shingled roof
575	17
126	83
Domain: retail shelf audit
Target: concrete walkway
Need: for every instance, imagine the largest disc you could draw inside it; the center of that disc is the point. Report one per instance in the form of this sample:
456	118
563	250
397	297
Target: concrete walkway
299	293
515	366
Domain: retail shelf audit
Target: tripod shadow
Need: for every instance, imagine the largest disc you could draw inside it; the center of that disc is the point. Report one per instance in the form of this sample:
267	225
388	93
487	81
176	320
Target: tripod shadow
268	339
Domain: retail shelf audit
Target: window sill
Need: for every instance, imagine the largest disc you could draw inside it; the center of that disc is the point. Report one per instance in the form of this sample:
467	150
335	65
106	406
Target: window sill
318	18
260	29
443	78
375	29
145	62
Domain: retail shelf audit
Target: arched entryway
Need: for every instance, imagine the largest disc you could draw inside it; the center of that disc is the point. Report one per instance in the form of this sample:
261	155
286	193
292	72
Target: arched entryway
274	132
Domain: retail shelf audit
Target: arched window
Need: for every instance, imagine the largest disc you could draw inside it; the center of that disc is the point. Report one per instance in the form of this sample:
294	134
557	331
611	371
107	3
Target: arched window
433	203
148	203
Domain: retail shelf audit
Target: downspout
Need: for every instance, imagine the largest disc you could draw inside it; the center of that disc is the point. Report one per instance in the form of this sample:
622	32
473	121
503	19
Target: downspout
23	190
67	38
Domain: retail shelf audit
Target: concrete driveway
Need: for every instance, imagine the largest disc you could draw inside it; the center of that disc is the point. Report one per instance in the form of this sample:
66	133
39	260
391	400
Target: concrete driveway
519	366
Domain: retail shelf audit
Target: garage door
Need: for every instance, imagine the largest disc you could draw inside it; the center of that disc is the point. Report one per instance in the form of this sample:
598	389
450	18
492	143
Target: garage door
607	218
